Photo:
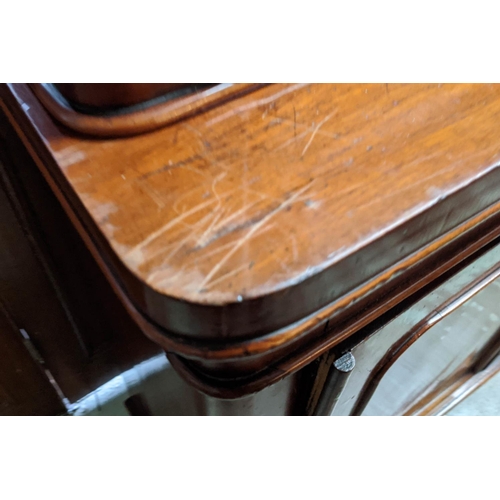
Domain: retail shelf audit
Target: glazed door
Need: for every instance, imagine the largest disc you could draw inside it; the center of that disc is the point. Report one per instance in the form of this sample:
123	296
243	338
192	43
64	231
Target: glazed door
414	363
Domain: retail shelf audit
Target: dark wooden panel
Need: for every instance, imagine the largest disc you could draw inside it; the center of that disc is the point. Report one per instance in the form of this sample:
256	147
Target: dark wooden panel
54	288
30	295
24	387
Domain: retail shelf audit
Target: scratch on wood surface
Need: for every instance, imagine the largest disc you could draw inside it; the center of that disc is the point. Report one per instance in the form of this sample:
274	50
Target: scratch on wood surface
220	248
309	128
293	139
181	198
206	255
170	166
151	193
261	195
228	275
156	234
157	281
158	277
252	231
218	230
178	244
214	183
177	247
320	124
255	104
196	171
204	237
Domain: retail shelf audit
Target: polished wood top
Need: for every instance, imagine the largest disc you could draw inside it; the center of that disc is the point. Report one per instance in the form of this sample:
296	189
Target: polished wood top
261	211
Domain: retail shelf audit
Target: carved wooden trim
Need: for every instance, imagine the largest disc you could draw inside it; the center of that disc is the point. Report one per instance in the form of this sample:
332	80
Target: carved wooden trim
138	119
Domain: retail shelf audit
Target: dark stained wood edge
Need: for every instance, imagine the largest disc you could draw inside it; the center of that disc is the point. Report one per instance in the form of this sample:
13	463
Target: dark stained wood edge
407	340
334	385
325	362
141	120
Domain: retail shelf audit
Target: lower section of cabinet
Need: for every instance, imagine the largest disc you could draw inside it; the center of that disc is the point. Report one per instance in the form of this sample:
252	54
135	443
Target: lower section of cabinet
154	388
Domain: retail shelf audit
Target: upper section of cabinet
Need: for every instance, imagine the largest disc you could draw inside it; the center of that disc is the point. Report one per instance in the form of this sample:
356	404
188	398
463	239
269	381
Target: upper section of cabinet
254	214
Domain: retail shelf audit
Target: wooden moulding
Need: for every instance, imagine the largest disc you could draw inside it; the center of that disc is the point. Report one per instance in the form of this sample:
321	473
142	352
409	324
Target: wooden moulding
139	117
